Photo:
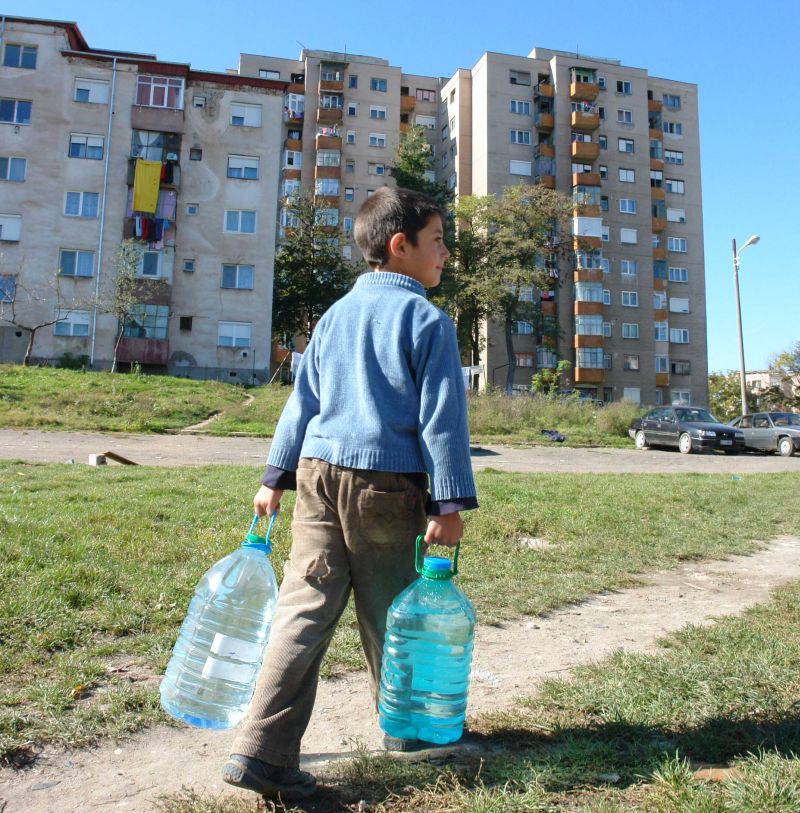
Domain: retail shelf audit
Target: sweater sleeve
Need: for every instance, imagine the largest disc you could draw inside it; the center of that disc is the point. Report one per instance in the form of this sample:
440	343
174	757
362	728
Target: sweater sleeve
443	431
302	406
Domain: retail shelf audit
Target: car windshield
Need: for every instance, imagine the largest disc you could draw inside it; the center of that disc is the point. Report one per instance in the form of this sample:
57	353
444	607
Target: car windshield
695	415
785	419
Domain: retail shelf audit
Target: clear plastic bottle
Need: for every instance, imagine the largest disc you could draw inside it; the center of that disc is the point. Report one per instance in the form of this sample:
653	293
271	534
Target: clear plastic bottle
211	676
427	656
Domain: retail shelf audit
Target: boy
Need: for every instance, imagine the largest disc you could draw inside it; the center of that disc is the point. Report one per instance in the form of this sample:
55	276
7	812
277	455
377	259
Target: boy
378	403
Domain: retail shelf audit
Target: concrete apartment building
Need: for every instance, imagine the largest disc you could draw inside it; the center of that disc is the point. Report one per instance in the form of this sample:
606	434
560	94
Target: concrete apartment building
630	304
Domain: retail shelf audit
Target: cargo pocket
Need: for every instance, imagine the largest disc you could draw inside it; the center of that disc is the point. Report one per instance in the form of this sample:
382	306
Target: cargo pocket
389	517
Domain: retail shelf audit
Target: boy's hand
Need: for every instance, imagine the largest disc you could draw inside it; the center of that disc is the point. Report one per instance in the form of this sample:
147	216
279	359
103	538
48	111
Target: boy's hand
267	501
445	530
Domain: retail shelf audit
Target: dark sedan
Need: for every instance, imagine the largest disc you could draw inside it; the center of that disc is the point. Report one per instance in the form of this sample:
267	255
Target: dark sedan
770	432
691	429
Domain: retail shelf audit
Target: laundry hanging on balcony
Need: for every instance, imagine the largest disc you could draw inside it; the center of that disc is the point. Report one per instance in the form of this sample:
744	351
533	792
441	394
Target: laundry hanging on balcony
146	180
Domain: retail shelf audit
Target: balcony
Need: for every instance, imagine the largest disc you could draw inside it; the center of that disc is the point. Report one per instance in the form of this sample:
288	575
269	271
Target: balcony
588	375
407	104
656	134
587	341
290	173
588	275
327	172
583	91
586	210
662	379
660	253
545	89
586	179
329	115
587	308
143	351
548	181
584	122
296	87
657	164
327	201
585	243
156	119
293	144
545	121
545	151
659	224
659	314
549	341
585	150
548	307
331	86
659	283
657	193
405	127
171	173
293	116
653	106
329	142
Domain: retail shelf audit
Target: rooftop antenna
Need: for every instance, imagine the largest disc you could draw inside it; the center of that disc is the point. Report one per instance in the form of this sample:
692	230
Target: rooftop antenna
301	45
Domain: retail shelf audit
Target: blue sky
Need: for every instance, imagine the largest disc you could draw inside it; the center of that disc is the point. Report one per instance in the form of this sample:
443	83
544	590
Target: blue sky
744	57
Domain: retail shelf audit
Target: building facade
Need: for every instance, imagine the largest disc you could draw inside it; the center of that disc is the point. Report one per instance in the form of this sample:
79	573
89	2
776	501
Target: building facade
629	306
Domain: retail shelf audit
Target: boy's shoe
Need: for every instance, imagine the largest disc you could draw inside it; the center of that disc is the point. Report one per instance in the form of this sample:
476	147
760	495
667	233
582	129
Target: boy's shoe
268	780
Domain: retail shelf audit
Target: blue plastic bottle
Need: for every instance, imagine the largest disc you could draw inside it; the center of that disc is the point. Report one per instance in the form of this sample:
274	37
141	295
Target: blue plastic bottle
211	676
426	656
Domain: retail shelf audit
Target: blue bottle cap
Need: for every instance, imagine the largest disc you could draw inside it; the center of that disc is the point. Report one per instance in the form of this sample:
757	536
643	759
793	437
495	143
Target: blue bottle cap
437	567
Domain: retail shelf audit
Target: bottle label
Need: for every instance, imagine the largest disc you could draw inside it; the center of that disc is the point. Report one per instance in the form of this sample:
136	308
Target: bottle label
224	670
226	646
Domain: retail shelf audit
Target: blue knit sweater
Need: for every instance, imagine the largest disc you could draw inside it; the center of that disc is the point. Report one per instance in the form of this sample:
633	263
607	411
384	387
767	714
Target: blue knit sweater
380	388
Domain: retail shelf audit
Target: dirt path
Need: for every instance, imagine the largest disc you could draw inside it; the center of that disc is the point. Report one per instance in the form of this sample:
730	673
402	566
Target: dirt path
509	660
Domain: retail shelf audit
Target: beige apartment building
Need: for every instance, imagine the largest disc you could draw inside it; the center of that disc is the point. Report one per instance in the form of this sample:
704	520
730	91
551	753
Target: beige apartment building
629	305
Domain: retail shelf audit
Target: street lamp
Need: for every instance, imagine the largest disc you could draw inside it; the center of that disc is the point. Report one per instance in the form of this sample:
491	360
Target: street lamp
752	241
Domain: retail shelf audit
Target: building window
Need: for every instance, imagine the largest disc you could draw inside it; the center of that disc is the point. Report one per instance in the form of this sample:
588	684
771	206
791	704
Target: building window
19	56
627	206
81	204
329	158
72	323
603	142
13	111
233	334
521	107
604	203
147	145
673	157
588	292
678	304
660	331
426	95
8	287
377	139
352	81
632	395
445	132
198	101
13	169
659	300
589	325
656	178
331	101
520	136
519	77
591	357
327	186
627	175
630	299
428	122
185	323
243	166
83	145
349	166
680	367
245	115
628	236
265	73
671	101
75	263
523	359
520	167
676	215
601	82
630	362
525	293
291	186
349	193
91	91
10	228
673	128
376	169
674	186
625	145
605	264
607	330
350	137
624	117
240	221
522	328
629	267
624	87
603	171
679	335
195	154
605	234
606	296
188	266
352	109
630	330
147	322
601	112
545	357
328	217
681	397
579	169
677	244
347	224
377	111
661	364
678	274
239	277
292	159
159	91
377	84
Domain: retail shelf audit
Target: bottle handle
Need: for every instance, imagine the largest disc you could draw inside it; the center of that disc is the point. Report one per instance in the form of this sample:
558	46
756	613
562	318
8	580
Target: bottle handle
418	562
273	516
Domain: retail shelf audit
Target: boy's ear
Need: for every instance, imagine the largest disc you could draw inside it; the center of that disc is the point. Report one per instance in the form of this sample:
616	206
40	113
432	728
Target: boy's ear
396	247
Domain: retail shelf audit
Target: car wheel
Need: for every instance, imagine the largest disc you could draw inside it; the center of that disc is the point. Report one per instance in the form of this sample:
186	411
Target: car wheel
786	447
685	443
640	440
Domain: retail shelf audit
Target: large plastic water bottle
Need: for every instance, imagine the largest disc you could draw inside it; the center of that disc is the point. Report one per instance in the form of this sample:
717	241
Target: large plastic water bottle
426	656
212	674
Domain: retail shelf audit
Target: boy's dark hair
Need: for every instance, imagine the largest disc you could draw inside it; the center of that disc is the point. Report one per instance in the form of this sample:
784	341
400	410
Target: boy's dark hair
389	212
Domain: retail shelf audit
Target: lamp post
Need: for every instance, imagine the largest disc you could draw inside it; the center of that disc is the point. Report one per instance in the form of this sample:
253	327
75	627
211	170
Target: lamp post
742	383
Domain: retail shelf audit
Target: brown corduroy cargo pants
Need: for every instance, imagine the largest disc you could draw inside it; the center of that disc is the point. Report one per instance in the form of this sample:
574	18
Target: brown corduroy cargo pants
352	529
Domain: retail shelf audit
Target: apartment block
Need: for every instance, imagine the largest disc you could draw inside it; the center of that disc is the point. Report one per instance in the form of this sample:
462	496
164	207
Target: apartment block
77	124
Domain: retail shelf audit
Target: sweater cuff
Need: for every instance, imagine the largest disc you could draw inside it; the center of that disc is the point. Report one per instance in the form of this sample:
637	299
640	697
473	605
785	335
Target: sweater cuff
275	477
438	508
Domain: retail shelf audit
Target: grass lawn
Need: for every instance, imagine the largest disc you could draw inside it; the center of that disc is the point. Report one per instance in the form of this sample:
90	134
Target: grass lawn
99	564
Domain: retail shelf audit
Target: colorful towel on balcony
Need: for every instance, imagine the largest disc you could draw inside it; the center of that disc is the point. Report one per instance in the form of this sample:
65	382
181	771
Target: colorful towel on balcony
146	180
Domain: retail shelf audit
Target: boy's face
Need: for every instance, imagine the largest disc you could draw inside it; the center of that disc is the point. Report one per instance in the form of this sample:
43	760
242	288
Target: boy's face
424	260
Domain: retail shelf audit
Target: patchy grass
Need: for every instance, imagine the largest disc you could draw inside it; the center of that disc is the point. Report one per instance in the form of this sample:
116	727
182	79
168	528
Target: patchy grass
99	564
258	416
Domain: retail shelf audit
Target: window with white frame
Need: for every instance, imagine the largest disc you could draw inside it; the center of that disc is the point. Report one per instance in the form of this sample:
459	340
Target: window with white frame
519	77
189	264
331	101
624	87
627	175
15	111
377	139
8	287
677	244
625	145
605	264
606	296
630	299
290	187
523	359
630	362
678	304
327	186
605	233
656	178
147	144
13	169
588	292
680	367
237	276
603	171
264	73
662	363
376	169
671	101
673	128
10	227
630	330
629	268
240	221
81	204
603	142
681	397
85	145
347	252
377	84
521	107
149	263
192	209
426	95
349	193
352	109
673	157
347	224
632	394
525	293
545	357
233	334
660	331
679	335
72	323
607	330
329	158
244	167
578	168
674	186
520	167
628	236
288	220
676	274
91	91
328	217
522	328
159	91
292	159
659	300
520	136
427	122
627	206
624	117
245	115
607	361
591	357
75	263
589	325
377	111
350	137
16	55
676	215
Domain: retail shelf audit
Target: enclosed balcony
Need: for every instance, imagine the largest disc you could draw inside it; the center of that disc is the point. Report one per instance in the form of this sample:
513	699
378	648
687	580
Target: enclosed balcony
585	150
329	142
331	86
587	308
329	115
294	144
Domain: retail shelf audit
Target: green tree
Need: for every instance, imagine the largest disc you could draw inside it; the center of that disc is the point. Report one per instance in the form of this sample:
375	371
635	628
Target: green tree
310	271
725	396
786	394
412	159
548	381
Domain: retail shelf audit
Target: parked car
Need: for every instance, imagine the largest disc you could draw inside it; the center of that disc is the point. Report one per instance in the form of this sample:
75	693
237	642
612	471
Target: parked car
770	431
691	429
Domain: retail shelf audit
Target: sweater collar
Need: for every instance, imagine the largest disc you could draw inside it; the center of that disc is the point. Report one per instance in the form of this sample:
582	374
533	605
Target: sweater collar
391	278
